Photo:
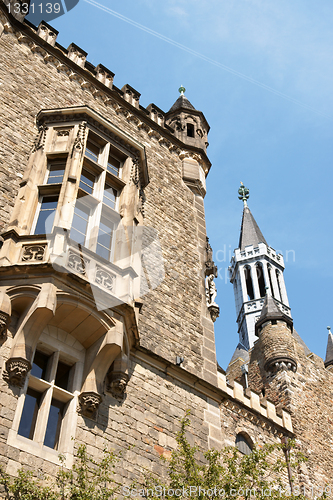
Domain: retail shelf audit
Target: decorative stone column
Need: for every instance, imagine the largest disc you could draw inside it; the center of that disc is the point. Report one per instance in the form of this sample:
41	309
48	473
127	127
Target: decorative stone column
5	314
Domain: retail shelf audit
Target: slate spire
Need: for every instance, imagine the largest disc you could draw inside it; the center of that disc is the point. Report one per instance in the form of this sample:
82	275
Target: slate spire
329	349
271	311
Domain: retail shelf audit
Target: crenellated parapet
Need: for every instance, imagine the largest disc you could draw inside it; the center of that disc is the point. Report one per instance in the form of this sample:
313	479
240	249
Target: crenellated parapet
251	400
99	81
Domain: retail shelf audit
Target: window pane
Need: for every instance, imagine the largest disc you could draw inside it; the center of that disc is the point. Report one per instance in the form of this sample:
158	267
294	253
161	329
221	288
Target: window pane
39	365
110	195
53	424
46	215
80	223
87	181
29	414
92	151
104	239
113	165
56	173
62	376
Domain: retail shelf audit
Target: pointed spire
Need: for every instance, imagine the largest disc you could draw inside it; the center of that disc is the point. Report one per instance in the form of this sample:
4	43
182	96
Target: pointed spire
271	311
182	101
250	233
329	349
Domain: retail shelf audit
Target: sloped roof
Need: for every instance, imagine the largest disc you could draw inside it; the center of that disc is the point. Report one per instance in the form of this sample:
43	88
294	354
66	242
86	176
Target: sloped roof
271	310
299	339
250	233
240	352
182	102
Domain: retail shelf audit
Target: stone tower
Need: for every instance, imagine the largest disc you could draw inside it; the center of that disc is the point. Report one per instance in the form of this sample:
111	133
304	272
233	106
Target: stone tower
254	267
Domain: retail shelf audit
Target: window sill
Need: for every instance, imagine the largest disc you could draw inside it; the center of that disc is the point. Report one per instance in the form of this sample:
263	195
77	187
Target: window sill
41	451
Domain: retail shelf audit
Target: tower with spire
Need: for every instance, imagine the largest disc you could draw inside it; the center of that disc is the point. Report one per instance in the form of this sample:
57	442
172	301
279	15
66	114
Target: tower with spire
255	267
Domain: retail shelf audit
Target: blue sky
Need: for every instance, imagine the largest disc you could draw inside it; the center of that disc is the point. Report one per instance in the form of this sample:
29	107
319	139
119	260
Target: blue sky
262	73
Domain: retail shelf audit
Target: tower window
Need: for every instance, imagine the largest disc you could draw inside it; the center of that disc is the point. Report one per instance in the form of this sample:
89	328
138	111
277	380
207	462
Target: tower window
243	444
190	130
249	284
278	282
261	280
56	172
270	280
46	215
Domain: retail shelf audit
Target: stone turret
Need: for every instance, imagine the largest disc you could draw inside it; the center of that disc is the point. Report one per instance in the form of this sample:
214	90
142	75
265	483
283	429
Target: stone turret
274	329
189	124
329	349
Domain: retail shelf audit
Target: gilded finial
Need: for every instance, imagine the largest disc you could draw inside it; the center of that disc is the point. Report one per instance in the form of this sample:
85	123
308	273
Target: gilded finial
182	90
244	194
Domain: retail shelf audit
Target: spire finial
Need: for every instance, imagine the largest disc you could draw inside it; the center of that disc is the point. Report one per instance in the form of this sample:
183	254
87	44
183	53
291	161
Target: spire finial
329	329
182	90
243	194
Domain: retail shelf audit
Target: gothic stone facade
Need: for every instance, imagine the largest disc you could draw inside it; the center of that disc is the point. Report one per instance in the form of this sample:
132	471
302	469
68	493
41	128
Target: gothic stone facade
106	328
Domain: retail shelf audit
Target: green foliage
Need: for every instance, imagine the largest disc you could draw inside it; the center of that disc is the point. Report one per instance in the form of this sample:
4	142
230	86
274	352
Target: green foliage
228	474
87	480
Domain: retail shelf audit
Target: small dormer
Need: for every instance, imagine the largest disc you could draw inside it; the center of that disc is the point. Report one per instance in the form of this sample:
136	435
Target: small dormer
189	125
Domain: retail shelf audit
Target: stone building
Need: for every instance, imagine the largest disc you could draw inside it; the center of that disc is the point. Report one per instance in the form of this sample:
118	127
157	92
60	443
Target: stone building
107	295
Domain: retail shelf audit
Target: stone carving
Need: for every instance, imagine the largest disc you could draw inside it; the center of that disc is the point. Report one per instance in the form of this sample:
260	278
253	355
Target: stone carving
63	133
33	253
105	279
141	204
16	371
135	174
211	291
5	314
80	138
77	263
211	268
117	384
276	365
40	139
4	323
89	403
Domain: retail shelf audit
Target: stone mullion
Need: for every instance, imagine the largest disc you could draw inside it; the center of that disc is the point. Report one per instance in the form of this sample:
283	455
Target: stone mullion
275	285
65	210
266	276
255	281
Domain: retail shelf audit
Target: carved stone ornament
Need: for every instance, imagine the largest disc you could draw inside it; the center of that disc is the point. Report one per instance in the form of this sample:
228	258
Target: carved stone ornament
141	204
280	364
211	268
33	253
135	174
40	139
89	403
4	323
211	291
117	384
104	279
5	314
77	263
80	138
214	311
16	371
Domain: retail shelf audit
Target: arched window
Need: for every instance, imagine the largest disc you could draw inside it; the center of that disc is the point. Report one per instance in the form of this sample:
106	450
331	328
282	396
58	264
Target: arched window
278	277
261	280
270	280
249	284
243	444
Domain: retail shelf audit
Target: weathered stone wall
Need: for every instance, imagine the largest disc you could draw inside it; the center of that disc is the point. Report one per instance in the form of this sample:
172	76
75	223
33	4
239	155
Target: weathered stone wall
170	320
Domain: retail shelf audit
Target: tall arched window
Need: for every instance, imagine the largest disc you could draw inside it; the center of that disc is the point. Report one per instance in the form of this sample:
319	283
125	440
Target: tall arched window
278	277
244	444
261	280
249	284
270	280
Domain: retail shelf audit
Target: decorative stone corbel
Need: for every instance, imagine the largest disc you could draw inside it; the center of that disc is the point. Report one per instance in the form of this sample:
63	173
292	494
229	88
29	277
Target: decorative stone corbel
89	403
117	378
16	371
98	360
5	314
214	311
28	333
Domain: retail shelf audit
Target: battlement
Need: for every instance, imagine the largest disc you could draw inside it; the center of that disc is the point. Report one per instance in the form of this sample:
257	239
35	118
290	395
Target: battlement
252	400
99	80
250	252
